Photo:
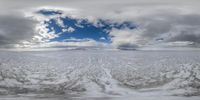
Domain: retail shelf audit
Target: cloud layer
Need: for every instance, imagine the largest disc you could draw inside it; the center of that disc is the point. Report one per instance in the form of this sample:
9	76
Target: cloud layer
169	23
14	29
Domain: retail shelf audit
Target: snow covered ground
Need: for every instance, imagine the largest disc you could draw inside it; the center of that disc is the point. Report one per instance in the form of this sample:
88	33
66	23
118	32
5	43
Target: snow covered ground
99	75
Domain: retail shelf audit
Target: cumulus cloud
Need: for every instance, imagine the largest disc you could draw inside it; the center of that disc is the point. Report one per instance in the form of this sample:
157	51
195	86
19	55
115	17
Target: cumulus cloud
126	38
70	29
163	25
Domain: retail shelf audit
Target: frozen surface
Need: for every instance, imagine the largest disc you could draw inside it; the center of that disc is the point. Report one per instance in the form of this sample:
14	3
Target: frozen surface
100	75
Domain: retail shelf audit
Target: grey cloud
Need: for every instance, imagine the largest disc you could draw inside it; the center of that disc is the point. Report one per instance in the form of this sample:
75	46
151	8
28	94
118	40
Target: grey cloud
98	7
186	37
190	19
13	29
127	46
171	27
187	34
189	28
156	27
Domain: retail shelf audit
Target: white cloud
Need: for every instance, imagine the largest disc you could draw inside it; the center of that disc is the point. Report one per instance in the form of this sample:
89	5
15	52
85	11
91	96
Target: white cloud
69	29
127	38
179	43
81	43
43	33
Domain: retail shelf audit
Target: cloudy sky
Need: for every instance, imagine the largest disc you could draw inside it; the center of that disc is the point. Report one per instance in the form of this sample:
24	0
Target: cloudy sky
118	24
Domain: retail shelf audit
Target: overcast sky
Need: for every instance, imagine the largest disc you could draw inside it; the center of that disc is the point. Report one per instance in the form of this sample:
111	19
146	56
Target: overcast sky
160	23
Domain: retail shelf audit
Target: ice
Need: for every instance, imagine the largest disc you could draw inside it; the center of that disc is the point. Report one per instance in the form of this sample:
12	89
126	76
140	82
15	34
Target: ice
100	74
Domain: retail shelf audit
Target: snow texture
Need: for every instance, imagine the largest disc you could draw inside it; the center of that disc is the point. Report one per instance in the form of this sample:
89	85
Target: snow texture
98	73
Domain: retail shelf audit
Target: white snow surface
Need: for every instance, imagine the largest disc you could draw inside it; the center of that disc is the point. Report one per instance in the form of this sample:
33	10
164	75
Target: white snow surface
99	75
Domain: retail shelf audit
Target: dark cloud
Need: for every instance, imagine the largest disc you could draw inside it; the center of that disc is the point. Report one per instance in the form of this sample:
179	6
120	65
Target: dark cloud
127	46
13	29
186	36
189	19
171	27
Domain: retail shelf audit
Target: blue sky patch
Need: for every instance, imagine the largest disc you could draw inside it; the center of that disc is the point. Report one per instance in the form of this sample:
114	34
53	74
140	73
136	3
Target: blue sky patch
83	29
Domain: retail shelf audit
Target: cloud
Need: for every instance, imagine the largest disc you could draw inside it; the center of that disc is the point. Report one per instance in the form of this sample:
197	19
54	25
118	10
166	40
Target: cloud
178	44
161	25
69	44
170	23
70	29
126	39
14	29
171	27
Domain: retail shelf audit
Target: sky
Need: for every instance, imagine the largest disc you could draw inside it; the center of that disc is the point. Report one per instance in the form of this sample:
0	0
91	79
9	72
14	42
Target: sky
116	24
